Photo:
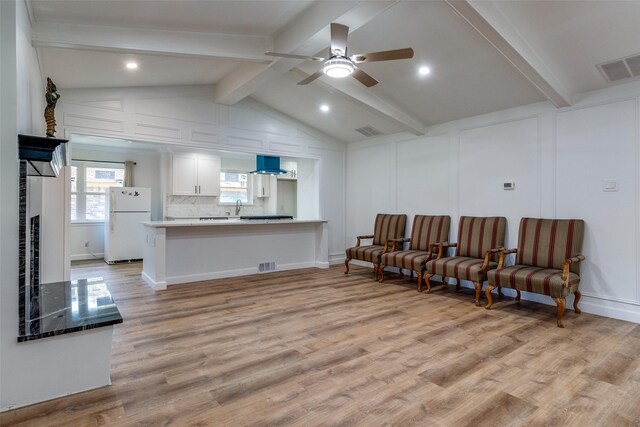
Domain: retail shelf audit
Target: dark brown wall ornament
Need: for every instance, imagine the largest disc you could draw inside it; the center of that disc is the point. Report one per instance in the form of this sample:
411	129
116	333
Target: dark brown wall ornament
51	97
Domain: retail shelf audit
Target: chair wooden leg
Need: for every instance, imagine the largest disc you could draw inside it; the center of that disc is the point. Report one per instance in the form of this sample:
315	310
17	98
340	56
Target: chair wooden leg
419	274
577	295
490	287
381	273
346	265
517	296
500	295
561	303
427	280
478	286
375	271
410	274
457	283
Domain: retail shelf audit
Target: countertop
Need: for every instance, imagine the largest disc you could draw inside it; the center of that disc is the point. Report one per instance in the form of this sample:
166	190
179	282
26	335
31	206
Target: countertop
64	307
229	222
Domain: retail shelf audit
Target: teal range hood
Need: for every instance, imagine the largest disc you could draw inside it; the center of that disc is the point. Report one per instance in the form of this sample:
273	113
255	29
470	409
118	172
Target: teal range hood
268	165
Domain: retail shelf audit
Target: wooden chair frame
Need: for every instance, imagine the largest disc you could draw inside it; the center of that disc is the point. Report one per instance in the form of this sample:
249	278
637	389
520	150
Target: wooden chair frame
484	268
561	303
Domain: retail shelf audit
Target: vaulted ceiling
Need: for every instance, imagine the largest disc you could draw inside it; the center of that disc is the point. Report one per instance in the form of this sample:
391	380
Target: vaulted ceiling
484	56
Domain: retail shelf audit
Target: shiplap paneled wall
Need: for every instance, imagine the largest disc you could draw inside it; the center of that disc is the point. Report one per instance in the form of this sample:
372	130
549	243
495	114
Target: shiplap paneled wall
559	160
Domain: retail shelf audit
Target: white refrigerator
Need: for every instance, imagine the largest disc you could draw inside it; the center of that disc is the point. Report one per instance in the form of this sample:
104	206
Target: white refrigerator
126	208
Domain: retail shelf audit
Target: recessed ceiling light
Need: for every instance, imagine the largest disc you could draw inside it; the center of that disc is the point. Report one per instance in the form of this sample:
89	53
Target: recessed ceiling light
424	70
324	108
132	65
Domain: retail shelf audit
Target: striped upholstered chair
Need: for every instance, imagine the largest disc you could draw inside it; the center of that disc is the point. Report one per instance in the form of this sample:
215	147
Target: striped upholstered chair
426	232
386	227
479	240
547	262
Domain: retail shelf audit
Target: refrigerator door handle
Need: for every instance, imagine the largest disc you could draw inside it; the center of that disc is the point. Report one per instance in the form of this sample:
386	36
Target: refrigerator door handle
112	219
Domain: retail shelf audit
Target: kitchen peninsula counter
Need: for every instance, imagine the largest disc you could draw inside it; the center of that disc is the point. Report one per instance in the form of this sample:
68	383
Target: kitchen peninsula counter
187	251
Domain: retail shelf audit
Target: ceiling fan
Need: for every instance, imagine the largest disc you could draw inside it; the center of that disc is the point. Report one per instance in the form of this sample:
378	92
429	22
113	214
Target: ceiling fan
339	65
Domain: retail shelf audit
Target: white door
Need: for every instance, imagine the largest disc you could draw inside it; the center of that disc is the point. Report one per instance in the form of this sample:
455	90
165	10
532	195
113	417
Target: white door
208	176
126	239
130	199
183	175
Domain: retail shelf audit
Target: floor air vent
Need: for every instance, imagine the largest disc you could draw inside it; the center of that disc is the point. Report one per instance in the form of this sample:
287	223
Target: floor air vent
620	69
369	131
263	267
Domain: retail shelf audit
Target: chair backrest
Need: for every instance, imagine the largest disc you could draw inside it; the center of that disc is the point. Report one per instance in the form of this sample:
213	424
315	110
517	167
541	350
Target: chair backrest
547	243
476	235
428	230
388	226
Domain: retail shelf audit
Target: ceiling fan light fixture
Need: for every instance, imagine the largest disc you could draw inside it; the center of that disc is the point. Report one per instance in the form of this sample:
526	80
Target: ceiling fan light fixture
338	67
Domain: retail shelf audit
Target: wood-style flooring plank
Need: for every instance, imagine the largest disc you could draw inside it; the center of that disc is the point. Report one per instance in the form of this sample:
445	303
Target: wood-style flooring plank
318	347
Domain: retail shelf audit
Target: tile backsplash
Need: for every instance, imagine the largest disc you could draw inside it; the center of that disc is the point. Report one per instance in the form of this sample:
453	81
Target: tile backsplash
198	206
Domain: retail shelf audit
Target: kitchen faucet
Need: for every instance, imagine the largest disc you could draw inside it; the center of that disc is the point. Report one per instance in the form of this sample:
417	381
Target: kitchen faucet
238	206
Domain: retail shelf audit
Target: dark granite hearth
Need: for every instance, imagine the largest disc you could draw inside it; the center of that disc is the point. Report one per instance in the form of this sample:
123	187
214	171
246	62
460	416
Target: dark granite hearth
65	307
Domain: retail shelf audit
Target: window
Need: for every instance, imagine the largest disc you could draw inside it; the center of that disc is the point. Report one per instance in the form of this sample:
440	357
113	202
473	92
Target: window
235	186
89	185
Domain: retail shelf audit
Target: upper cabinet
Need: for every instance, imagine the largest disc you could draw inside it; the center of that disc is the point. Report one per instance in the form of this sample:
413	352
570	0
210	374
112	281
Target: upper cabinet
262	185
195	175
291	166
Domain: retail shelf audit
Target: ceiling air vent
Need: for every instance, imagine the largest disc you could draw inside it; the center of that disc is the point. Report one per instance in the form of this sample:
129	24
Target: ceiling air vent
633	62
621	69
369	131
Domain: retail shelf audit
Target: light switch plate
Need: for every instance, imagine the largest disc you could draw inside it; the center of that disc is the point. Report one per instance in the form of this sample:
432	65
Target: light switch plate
610	185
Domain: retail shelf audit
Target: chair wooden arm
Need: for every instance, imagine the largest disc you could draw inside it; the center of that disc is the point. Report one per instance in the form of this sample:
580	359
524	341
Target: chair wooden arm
441	247
567	265
504	253
487	257
396	241
364	236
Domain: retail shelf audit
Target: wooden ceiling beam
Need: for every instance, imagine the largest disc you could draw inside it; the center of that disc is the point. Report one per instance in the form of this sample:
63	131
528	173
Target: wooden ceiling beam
486	18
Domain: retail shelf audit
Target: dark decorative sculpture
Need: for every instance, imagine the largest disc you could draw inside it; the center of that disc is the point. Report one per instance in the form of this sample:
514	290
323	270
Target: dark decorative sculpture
51	97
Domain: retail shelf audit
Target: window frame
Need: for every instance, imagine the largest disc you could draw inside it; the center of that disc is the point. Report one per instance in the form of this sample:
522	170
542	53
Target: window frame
250	186
81	192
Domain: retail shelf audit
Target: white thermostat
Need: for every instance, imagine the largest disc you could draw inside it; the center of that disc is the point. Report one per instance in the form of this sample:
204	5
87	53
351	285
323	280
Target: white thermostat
509	185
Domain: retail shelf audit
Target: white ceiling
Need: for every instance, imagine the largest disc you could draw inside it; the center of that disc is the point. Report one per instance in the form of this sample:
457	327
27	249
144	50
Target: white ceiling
552	49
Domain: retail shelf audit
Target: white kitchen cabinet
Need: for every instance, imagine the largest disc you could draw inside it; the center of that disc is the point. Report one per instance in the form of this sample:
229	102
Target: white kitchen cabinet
208	176
195	175
262	185
291	166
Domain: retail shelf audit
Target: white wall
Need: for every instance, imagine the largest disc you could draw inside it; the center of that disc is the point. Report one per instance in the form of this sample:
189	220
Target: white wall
87	241
185	118
80	359
558	159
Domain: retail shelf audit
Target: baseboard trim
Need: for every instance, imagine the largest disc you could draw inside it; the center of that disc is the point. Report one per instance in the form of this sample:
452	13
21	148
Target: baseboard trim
156	286
335	259
84	257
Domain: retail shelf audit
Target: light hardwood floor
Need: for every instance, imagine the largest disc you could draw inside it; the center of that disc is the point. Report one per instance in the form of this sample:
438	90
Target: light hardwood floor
317	347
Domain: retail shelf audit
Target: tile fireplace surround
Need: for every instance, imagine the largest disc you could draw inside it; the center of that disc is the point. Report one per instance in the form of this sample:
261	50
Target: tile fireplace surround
57	308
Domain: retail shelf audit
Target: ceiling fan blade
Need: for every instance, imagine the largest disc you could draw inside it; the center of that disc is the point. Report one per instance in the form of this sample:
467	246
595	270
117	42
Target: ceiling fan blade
311	78
364	78
292	56
387	55
339	38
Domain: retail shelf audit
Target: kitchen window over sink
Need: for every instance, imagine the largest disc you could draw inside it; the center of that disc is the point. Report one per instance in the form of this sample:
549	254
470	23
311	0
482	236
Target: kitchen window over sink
235	186
90	182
